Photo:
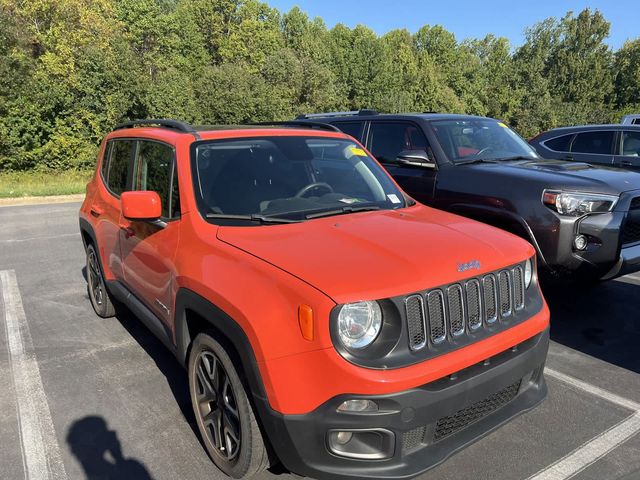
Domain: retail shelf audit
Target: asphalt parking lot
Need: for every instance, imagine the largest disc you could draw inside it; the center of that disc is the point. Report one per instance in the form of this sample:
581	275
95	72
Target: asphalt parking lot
85	397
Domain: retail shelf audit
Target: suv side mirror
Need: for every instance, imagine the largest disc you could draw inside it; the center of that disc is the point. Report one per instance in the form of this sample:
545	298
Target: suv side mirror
416	158
141	205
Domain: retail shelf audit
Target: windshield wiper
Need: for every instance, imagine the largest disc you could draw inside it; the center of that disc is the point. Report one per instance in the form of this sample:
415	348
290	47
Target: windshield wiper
253	218
514	158
341	211
477	160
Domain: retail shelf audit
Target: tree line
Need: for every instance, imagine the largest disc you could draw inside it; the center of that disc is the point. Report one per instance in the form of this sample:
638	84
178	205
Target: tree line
72	69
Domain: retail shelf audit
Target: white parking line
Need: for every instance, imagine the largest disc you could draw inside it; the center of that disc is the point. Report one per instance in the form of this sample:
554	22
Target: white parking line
599	446
593	390
40	450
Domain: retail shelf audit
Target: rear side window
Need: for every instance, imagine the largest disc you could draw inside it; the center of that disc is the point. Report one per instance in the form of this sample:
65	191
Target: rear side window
350	128
599	142
636	121
631	144
388	139
559	144
118	168
155	171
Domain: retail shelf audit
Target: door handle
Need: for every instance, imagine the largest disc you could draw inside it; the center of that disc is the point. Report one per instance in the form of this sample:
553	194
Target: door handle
626	163
96	211
568	157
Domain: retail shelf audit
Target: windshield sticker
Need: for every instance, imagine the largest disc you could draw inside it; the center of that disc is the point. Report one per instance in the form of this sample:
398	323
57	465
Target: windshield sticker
358	151
348	200
393	197
502	125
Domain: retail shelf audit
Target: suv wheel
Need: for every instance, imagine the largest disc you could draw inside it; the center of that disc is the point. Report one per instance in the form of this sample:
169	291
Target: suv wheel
223	412
96	287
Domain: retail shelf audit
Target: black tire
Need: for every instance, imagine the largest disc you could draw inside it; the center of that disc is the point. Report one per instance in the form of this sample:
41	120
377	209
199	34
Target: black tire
223	411
96	286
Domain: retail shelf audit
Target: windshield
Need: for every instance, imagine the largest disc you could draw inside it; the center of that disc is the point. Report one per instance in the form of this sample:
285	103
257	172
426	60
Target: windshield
480	139
293	178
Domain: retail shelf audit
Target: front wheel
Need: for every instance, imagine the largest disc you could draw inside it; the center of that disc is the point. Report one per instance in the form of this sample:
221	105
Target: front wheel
96	286
223	412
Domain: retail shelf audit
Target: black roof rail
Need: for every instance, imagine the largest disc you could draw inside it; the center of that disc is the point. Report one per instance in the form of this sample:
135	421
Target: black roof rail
364	111
160	122
300	124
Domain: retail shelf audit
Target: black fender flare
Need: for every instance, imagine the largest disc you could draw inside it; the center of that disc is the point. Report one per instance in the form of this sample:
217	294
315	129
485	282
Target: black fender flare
226	330
498	217
87	229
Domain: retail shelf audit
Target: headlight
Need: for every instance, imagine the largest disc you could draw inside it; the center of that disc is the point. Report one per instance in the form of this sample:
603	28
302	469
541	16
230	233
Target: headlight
528	273
576	204
359	324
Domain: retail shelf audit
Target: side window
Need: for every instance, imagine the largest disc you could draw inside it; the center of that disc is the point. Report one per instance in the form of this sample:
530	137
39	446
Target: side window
593	142
631	144
388	139
350	128
104	167
636	121
559	144
155	170
118	169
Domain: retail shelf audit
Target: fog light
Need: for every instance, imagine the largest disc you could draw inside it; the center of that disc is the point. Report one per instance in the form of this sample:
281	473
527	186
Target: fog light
358	405
342	438
368	444
580	242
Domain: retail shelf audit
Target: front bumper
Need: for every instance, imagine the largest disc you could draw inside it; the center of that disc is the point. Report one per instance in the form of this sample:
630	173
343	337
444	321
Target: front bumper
429	423
610	252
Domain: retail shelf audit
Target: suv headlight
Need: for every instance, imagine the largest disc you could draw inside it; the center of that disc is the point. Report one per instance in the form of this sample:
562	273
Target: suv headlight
577	204
528	273
359	324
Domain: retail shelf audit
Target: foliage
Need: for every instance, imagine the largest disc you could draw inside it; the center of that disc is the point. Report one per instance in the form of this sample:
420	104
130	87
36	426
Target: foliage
71	69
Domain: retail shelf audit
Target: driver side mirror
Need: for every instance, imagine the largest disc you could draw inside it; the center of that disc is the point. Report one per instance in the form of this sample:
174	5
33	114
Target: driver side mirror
416	158
141	205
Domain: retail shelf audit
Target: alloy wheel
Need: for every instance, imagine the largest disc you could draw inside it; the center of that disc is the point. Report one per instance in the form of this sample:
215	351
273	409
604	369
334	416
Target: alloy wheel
217	406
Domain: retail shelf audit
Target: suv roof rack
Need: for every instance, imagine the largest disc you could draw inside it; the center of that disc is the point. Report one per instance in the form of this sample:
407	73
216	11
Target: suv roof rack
297	124
364	111
160	122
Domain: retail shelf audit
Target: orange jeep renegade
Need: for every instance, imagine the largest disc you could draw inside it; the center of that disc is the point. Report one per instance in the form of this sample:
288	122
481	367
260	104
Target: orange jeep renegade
325	319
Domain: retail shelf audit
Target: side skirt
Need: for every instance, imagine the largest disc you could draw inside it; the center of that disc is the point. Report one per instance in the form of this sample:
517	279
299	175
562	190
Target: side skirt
141	311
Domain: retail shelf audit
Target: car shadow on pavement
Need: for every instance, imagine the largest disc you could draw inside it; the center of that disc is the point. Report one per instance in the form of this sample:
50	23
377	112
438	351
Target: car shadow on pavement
167	364
99	451
601	320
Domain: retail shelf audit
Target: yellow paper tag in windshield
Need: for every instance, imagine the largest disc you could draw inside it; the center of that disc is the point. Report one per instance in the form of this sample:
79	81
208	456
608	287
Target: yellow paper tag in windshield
358	151
502	125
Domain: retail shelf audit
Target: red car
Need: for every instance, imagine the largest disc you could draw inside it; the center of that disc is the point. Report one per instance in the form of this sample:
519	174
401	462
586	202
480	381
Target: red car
325	319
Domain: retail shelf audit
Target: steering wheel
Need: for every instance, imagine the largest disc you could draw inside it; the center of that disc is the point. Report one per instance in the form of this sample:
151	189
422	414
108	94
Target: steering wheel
304	190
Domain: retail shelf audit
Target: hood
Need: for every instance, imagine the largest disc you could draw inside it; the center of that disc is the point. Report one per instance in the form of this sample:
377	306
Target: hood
380	254
560	174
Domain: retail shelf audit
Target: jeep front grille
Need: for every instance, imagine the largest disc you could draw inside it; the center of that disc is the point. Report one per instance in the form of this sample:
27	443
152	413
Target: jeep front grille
437	325
452	311
415	321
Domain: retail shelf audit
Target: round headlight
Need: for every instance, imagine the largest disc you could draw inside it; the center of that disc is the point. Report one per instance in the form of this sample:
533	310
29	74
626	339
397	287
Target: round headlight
528	273
359	324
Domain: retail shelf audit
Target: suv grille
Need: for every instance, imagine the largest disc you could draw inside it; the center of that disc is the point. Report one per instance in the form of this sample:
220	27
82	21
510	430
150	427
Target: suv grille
464	306
450	424
631	231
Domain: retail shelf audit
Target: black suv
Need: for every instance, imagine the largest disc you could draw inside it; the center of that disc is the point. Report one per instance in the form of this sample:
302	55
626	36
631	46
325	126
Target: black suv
583	220
614	145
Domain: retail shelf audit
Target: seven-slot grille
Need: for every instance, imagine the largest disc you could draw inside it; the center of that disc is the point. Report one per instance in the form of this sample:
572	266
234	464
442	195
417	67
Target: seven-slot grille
463	306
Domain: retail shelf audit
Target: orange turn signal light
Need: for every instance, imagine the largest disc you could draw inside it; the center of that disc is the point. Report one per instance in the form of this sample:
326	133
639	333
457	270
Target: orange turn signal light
305	319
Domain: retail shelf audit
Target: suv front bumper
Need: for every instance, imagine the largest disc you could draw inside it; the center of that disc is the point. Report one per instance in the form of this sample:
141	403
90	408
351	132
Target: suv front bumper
429	423
613	247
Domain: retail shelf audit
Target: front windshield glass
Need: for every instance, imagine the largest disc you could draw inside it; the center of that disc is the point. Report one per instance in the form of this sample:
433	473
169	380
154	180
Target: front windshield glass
289	177
480	139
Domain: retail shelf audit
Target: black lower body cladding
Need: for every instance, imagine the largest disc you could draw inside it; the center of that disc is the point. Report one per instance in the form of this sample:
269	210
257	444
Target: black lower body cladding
427	423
